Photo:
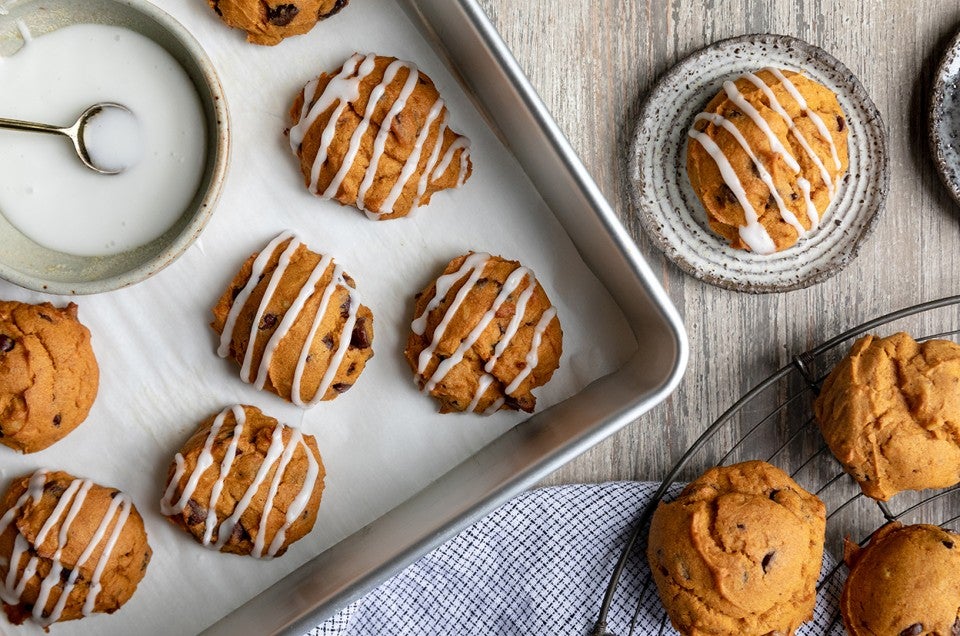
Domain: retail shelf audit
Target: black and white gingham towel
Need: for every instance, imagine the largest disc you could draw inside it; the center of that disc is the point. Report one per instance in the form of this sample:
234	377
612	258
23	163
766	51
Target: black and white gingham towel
538	565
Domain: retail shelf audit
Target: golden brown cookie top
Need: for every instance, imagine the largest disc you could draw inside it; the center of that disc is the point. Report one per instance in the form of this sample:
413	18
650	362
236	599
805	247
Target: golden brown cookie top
376	135
766	157
268	22
905	582
890	412
484	335
246	484
738	552
293	321
68	548
48	374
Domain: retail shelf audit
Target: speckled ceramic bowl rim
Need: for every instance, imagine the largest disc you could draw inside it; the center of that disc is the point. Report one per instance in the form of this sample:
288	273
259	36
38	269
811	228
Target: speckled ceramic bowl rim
665	246
204	206
938	143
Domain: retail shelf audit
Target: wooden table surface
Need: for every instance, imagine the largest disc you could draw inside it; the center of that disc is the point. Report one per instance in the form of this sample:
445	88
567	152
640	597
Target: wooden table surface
592	61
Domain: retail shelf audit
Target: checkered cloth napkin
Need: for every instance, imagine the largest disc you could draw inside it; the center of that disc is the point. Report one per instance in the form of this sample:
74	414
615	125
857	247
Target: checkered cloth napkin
538	565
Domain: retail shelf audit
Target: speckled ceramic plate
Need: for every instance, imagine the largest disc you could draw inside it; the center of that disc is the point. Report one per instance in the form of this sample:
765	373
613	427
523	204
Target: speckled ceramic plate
945	118
674	218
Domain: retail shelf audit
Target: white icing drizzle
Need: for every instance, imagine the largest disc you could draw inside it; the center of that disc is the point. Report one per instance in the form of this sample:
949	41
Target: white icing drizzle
289	317
278	450
413	160
460	143
533	355
380	142
814	117
431	162
753	233
473	267
71	502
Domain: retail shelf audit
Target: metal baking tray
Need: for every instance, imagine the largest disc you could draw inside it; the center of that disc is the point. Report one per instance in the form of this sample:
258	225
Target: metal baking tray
463	36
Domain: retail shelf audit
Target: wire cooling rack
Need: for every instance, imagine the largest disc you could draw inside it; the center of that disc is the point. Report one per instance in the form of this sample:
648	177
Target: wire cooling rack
774	421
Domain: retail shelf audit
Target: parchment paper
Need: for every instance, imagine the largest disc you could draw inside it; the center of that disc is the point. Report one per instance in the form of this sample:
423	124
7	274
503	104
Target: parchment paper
382	441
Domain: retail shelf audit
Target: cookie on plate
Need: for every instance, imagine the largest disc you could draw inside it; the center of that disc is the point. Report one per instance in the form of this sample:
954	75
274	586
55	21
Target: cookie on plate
69	548
890	412
293	322
766	157
905	582
246	484
484	336
738	552
268	22
375	134
48	374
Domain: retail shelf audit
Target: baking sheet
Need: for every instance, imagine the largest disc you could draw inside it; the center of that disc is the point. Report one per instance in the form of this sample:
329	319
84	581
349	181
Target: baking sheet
382	441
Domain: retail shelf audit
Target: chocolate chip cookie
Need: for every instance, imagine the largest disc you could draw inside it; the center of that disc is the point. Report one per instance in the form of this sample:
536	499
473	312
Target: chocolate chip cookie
293	321
268	22
905	582
890	412
245	484
738	552
69	548
484	336
376	134
48	374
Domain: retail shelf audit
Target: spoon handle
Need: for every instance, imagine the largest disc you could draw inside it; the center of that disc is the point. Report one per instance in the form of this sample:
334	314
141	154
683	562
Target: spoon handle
16	124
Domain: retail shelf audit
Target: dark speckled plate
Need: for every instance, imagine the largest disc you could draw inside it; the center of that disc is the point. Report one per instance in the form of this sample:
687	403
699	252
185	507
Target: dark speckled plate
672	215
945	118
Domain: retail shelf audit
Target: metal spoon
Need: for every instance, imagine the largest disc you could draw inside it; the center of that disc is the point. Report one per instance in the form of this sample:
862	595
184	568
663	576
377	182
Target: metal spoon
74	133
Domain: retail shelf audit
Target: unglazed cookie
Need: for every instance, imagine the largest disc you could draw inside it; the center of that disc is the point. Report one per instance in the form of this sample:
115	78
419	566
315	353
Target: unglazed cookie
375	135
766	157
890	412
738	552
269	21
48	374
484	335
906	582
69	548
245	483
293	322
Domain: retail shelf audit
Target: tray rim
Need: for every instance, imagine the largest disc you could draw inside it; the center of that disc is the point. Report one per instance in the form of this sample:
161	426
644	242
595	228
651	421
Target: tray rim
251	617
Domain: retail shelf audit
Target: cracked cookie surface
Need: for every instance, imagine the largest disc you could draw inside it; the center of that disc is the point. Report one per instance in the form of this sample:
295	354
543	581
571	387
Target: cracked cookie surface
245	484
268	22
890	412
484	336
293	322
905	582
375	134
738	552
68	548
48	374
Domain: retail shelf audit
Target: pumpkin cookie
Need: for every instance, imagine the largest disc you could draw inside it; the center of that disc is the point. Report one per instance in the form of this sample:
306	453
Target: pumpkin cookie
48	374
268	22
738	552
293	322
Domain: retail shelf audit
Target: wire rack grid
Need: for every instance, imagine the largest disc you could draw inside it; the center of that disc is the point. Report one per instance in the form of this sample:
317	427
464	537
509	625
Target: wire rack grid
774	421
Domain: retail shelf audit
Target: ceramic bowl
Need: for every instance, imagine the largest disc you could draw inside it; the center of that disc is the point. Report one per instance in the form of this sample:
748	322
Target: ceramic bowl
673	216
944	123
30	265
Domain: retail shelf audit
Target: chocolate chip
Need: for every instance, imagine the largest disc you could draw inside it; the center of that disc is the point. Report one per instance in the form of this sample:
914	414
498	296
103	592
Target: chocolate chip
336	7
328	341
947	544
728	193
65	574
774	493
359	339
771	202
282	14
740	526
54	488
196	513
56	420
239	533
840	123
46	317
734	114
345	308
794	196
216	7
352	368
955	630
269	321
6	343
767	560
914	630
341	387
235	292
512	403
